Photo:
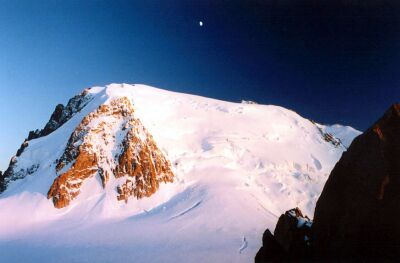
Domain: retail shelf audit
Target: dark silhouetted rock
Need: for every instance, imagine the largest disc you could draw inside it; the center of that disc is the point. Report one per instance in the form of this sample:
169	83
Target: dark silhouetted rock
7	174
22	148
357	215
62	114
271	251
293	232
1	180
291	242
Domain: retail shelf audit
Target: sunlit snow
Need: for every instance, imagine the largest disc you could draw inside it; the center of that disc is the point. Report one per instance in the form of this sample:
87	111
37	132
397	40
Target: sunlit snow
237	167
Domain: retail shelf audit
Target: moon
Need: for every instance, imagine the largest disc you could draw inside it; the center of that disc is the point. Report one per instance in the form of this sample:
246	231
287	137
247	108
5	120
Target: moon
200	23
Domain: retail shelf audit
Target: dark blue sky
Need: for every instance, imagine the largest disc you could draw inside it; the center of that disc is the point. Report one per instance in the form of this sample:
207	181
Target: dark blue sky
334	63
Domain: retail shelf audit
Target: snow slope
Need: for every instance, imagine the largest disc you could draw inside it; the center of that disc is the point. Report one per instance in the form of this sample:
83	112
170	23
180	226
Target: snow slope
237	168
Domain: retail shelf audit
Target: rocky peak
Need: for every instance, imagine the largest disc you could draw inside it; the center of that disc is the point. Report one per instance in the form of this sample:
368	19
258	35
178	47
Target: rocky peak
110	143
62	114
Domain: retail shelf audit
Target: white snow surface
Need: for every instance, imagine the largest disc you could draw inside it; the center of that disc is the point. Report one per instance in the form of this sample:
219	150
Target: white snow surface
237	168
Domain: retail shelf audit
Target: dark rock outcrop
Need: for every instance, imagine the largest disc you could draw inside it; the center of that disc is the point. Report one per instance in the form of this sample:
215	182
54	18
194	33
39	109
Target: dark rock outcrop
22	148
291	242
13	174
357	214
328	137
9	173
62	114
1	180
270	251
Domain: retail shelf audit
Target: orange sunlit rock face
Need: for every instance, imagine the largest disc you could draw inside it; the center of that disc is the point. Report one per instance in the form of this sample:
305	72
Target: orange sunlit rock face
144	165
110	143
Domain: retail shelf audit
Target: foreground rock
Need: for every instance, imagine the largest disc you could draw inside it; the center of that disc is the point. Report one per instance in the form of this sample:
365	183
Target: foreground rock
357	214
291	241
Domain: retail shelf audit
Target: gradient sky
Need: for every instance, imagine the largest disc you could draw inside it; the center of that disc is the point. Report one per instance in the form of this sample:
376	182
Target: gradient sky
334	63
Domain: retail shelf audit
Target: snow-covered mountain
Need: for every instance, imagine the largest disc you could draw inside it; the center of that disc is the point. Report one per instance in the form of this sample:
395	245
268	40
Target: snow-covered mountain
139	174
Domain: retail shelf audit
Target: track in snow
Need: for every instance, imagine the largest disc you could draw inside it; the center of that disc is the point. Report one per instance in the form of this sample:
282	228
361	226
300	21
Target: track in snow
186	211
244	245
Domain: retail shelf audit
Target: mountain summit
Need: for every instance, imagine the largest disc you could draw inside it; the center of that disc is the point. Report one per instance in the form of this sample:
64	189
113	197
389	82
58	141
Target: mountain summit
161	176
